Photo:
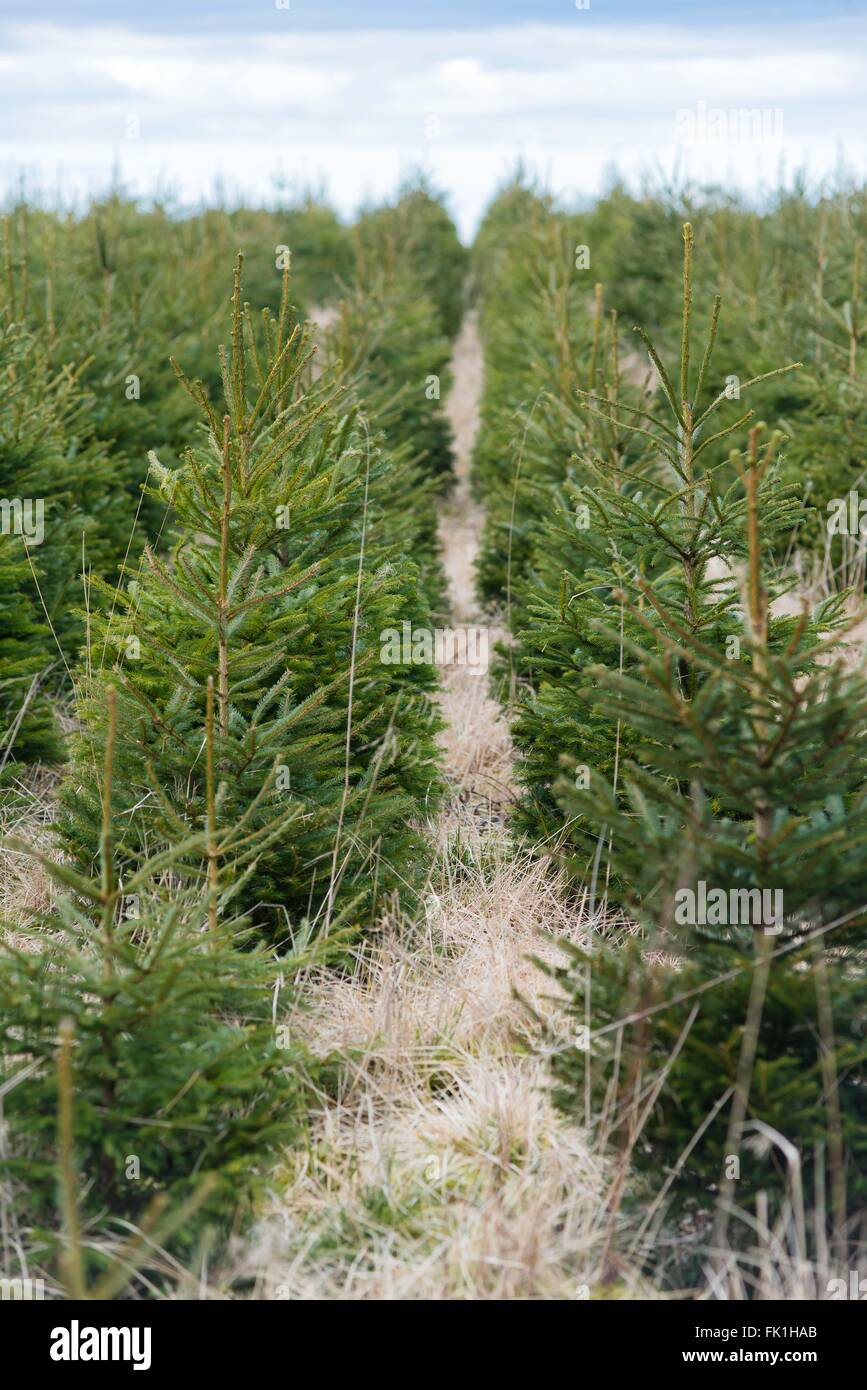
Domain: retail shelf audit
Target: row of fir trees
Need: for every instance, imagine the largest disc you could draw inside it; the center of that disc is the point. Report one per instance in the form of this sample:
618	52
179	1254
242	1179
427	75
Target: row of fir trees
246	783
93	309
688	729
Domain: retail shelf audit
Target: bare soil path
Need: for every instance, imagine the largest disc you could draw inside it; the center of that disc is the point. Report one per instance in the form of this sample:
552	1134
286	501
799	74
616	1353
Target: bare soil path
477	744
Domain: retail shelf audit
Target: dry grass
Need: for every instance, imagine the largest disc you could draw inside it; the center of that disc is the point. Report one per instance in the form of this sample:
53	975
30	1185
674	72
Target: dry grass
440	1169
27	815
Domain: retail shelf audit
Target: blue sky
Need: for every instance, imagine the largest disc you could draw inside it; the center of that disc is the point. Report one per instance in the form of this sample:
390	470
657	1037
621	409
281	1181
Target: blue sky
324	15
355	93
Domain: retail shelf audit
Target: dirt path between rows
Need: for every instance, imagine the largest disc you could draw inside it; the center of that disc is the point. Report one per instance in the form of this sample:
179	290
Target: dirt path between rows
477	744
461	517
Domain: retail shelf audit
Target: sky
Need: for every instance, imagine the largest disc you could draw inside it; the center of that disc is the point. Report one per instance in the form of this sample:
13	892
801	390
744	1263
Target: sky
246	99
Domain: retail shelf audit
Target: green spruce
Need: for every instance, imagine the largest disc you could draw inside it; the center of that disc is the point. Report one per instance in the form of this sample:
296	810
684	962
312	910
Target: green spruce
282	579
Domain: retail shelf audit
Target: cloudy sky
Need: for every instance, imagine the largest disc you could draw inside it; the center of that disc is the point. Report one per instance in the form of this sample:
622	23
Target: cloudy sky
184	95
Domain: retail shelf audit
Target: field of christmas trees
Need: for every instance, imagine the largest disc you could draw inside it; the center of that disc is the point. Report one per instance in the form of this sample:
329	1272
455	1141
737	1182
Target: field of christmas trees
434	822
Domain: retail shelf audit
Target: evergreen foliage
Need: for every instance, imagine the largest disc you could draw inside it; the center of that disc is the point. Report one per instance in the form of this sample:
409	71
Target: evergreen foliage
399	316
250	772
385	332
734	765
395	433
659	510
56	495
417	234
283	576
547	334
118	291
48	455
142	1064
28	733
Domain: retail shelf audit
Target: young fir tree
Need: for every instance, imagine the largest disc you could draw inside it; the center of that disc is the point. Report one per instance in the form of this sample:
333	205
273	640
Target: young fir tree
28	732
631	236
754	789
179	1085
528	295
104	297
828	436
388	324
744	776
119	290
55	494
351	350
417	233
48	458
670	514
577	540
281	585
796	275
546	334
404	308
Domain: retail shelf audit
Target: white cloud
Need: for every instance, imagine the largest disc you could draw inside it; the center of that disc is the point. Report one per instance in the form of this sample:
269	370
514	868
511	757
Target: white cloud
354	107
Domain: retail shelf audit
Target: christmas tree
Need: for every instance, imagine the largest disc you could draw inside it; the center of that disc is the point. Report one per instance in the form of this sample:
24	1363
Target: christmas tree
282	581
149	1077
728	827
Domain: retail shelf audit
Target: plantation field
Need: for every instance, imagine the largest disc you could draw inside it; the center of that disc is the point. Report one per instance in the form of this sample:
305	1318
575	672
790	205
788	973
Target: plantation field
432	787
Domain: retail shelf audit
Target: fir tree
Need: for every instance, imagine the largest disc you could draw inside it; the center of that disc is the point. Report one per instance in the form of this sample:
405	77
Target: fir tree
279	588
49	458
526	297
120	289
396	442
745	775
385	330
177	1086
669	516
55	495
28	732
548	334
417	234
